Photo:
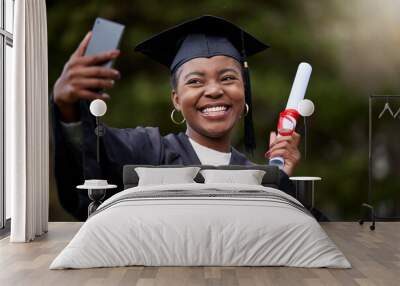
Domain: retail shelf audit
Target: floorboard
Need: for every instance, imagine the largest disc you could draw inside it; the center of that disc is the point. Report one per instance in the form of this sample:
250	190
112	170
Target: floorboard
374	255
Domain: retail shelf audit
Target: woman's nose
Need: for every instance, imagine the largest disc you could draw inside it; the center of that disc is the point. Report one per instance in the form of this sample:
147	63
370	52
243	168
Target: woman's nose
213	90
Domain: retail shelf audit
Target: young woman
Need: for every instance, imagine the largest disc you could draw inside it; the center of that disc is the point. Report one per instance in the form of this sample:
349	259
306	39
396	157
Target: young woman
210	89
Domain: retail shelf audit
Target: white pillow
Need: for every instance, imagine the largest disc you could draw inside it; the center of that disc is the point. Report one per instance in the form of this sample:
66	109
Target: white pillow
163	176
248	177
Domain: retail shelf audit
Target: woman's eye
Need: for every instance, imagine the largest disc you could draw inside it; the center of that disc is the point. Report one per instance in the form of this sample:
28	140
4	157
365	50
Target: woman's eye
193	81
228	77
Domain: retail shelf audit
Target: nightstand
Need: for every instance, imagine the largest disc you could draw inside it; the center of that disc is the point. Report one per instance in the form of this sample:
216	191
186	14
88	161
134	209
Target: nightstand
305	188
96	191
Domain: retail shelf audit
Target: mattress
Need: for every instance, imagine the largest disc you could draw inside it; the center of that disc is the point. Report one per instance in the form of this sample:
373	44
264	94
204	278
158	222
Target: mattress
201	225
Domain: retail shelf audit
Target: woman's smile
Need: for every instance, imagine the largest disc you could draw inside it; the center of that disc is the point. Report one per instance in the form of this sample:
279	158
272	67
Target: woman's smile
216	111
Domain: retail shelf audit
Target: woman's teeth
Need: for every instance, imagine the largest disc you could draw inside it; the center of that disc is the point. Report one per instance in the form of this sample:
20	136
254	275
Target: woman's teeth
214	109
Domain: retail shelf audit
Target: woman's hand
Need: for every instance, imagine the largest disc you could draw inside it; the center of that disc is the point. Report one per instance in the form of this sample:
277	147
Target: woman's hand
287	148
81	76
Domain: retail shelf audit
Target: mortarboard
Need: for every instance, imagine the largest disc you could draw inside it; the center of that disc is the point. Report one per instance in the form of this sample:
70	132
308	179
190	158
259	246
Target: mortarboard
206	36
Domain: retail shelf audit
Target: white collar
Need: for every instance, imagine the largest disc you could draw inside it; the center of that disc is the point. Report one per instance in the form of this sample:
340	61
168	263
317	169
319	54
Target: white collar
208	156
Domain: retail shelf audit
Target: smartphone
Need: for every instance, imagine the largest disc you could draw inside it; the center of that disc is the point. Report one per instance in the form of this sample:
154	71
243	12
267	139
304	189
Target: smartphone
106	36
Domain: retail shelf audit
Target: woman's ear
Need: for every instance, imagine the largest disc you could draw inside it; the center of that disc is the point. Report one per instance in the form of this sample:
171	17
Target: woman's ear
175	100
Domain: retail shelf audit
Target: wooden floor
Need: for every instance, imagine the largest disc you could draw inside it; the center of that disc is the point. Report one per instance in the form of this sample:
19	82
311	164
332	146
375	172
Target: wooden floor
375	256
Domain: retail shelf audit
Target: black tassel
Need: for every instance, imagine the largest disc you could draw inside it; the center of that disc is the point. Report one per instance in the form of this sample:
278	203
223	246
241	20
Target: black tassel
249	136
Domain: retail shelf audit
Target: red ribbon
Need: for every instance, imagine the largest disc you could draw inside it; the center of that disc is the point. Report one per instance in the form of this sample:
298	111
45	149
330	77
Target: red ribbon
288	114
291	115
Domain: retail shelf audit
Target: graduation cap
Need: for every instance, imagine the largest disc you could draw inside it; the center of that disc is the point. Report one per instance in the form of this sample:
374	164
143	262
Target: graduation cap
205	37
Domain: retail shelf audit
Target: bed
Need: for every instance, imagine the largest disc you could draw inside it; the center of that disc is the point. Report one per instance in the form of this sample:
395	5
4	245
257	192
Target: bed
201	224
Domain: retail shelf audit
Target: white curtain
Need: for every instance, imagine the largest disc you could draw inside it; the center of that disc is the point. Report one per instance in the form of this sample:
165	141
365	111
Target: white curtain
27	135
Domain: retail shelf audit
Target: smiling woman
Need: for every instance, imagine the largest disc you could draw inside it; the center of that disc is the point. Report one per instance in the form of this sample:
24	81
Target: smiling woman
210	95
210	87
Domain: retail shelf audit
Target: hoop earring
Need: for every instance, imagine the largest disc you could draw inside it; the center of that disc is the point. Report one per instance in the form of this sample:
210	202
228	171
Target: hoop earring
175	121
247	109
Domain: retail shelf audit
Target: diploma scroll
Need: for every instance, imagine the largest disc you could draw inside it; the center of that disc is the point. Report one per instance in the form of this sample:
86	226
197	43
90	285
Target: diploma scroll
288	118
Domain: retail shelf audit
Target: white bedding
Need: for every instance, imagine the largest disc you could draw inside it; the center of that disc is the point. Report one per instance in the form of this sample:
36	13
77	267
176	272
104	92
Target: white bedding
271	228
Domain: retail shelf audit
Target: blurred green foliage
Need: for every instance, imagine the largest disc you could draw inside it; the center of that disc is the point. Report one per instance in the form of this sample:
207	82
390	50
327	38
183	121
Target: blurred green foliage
337	142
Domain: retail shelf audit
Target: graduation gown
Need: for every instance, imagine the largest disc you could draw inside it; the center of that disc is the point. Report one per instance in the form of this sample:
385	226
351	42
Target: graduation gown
118	147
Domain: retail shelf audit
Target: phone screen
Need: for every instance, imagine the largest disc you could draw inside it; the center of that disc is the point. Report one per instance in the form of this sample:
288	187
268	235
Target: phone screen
106	36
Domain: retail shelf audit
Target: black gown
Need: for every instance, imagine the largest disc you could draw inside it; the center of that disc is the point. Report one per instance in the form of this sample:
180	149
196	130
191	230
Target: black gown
118	147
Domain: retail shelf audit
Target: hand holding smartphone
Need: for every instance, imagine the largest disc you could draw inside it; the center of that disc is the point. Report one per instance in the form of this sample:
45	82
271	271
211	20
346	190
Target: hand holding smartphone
88	71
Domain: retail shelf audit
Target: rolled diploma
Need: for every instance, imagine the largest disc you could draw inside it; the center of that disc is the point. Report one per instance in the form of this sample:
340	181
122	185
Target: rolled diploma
297	93
299	85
